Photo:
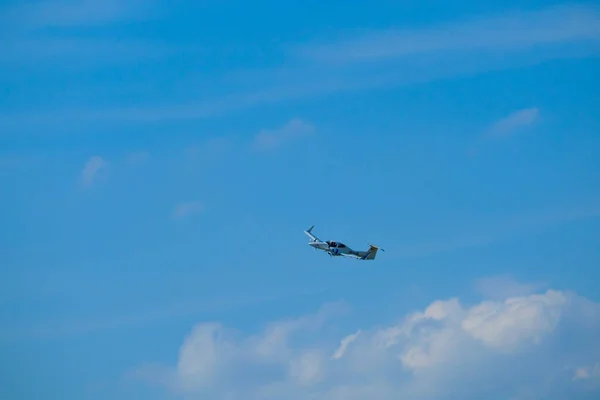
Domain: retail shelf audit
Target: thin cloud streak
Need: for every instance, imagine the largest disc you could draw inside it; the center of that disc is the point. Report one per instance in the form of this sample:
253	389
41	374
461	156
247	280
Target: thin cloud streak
518	119
270	139
33	16
512	31
219	107
50	31
430	54
507	228
91	169
506	127
152	316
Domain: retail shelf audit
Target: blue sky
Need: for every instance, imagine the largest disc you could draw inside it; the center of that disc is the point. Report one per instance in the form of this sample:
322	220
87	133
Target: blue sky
159	162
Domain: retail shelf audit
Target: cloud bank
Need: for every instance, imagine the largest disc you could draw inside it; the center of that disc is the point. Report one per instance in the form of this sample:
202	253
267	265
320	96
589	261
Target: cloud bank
539	345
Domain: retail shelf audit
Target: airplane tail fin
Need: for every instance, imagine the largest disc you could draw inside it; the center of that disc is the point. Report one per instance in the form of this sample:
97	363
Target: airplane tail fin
372	252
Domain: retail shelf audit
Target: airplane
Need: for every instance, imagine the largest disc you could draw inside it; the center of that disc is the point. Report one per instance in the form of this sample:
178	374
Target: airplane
335	249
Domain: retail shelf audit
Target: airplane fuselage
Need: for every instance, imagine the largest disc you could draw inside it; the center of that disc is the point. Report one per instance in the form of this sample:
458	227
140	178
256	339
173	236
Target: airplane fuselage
335	249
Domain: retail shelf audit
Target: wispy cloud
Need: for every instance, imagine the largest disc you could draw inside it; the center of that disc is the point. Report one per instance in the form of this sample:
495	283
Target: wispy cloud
509	32
148	316
92	167
52	31
514	121
88	52
588	372
344	343
504	228
375	59
186	209
270	139
71	13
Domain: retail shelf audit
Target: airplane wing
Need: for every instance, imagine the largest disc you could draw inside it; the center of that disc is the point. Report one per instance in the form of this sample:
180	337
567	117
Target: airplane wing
310	235
350	255
358	256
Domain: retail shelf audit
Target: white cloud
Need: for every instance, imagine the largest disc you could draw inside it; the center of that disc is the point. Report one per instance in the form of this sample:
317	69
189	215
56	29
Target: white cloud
212	357
308	368
514	121
339	353
91	169
497	349
270	139
203	356
187	208
517	320
510	31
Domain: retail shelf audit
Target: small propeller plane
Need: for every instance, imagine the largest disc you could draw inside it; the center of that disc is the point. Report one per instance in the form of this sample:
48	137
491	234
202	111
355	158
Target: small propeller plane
339	249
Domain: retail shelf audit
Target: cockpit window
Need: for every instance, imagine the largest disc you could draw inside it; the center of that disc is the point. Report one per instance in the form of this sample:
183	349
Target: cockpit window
341	245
